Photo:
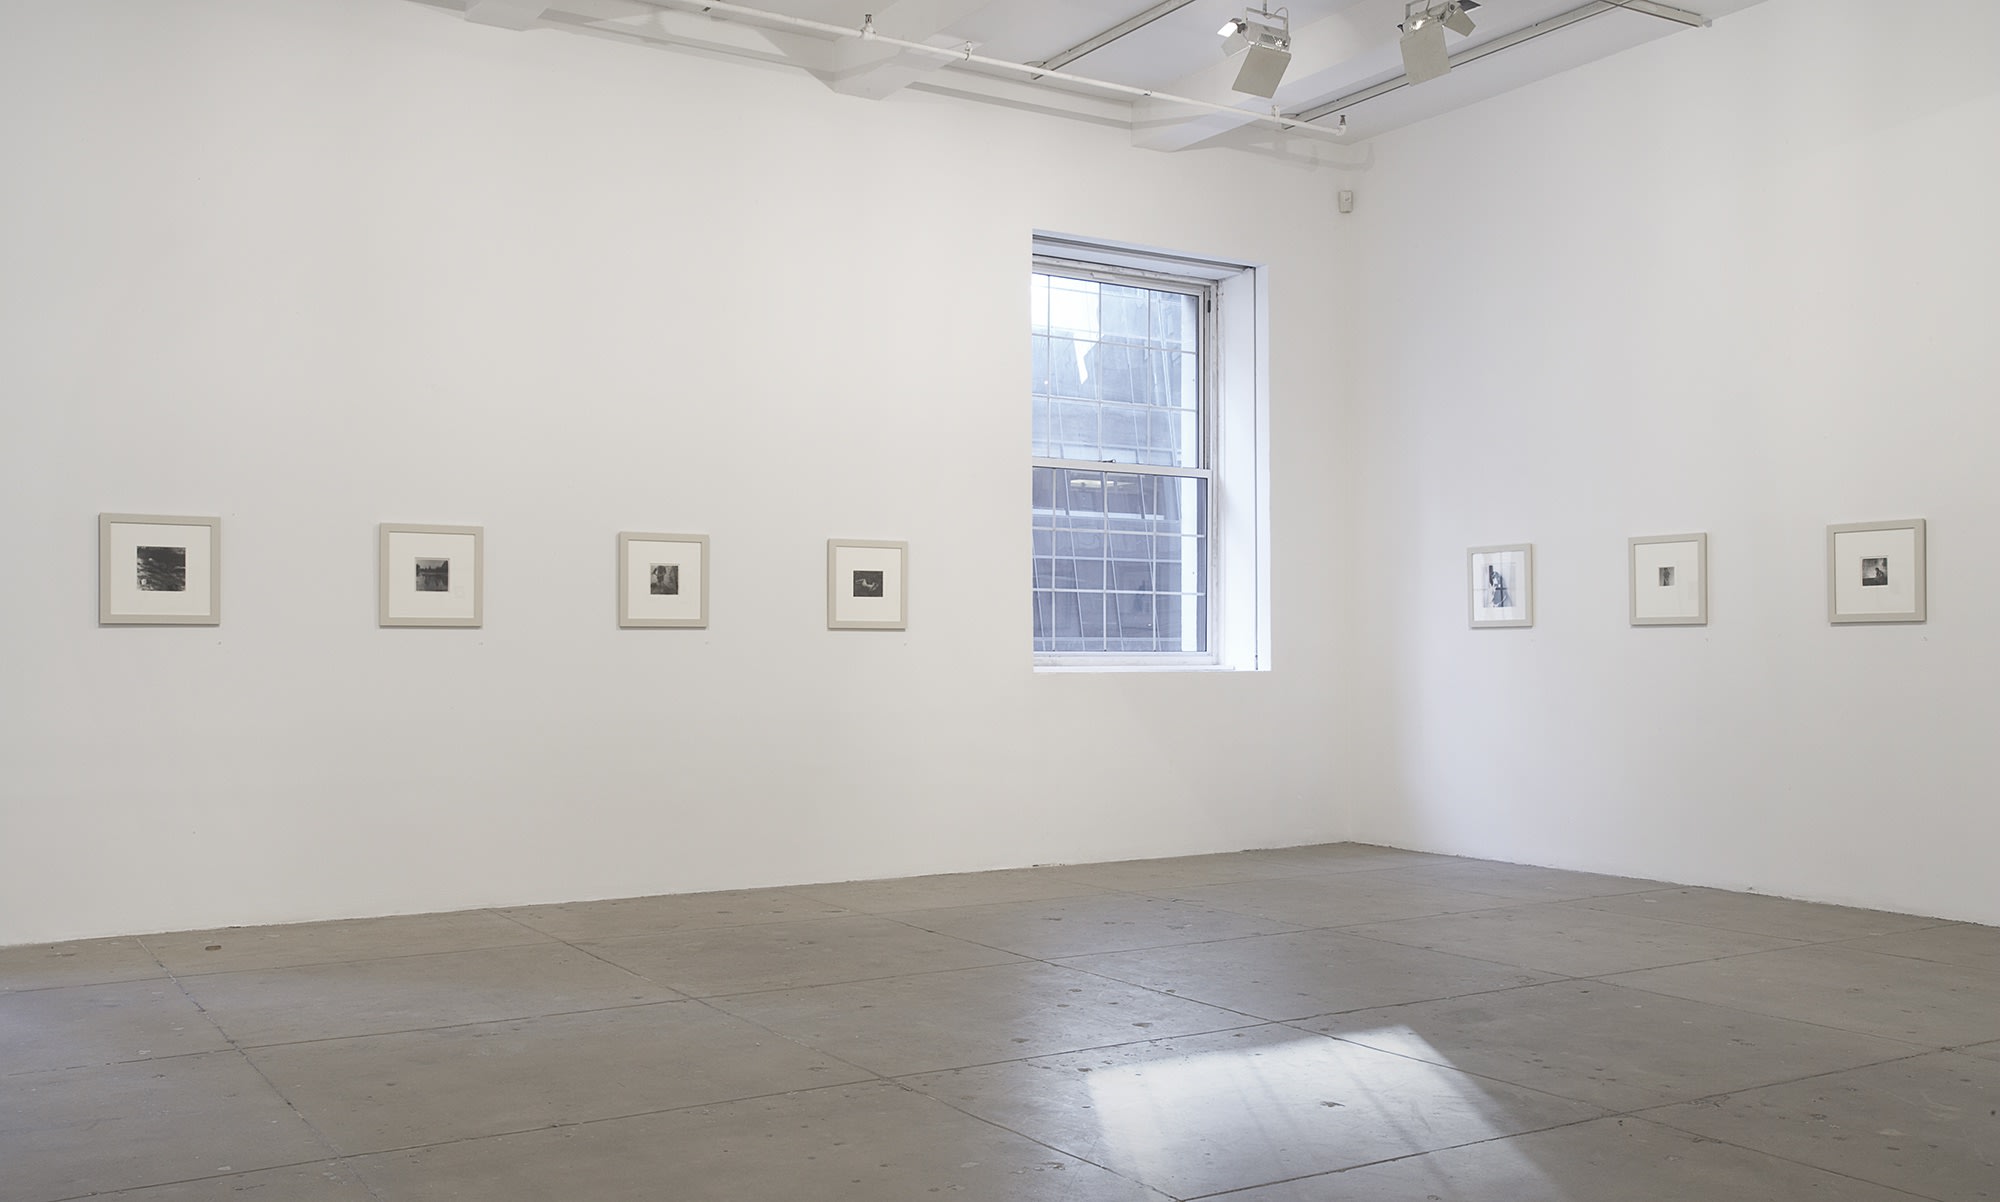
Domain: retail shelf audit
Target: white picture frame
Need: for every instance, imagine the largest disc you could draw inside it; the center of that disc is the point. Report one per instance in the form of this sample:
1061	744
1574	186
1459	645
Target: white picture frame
158	570
1500	583
867	584
1875	572
662	580
431	575
1669	579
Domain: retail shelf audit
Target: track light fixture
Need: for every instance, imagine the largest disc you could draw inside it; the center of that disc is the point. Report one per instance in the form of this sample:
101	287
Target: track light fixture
1267	37
1424	23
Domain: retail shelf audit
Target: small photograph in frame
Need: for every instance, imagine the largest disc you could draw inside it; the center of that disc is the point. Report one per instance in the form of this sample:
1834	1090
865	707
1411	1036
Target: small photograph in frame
867	584
430	575
1875	572
1501	581
1669	580
662	579
154	570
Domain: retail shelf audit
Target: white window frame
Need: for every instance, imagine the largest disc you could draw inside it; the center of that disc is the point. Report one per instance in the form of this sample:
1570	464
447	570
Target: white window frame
1233	457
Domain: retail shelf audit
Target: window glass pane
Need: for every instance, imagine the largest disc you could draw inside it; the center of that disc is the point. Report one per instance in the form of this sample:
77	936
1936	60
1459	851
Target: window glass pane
1175	320
1073	430
1120	557
1132	576
1044	428
1169	384
1126	568
1073	305
1081	498
1122	433
1039	370
1090	615
1065	374
1120	373
1123	312
1133	349
1188	392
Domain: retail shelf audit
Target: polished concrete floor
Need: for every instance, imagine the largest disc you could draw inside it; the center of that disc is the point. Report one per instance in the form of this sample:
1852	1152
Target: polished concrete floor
1341	1022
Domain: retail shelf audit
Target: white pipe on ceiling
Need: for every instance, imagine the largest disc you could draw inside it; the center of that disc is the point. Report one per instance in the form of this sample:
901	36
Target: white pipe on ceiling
867	33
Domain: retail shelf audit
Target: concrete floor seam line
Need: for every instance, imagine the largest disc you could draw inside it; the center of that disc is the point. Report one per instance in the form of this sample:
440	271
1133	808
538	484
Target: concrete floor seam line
708	1003
899	1078
1179	997
1040	1143
242	1054
1895	955
1789	946
1428	1001
325	1140
795	1041
482	1022
1293	929
1330	1173
518	921
1716	926
1793	1160
148	949
457	951
596	1120
1923	1049
1477	1076
297	1164
1018	962
633	973
164	1058
1645	1112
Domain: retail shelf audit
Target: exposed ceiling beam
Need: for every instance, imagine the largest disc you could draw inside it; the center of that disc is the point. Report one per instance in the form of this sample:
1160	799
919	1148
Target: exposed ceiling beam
1056	62
1334	54
1356	42
636	21
1494	45
955	55
871	69
506	14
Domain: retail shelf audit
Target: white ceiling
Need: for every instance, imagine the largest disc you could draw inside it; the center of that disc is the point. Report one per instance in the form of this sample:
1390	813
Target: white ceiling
1339	48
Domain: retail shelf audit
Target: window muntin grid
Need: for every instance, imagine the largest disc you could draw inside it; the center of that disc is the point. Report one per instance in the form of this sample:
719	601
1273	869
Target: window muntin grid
1122	557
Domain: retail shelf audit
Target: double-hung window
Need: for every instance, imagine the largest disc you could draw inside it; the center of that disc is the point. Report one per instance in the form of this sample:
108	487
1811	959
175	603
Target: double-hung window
1125	380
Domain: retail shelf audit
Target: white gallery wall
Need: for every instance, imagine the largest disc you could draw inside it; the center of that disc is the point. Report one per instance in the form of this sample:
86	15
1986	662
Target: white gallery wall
1740	281
311	265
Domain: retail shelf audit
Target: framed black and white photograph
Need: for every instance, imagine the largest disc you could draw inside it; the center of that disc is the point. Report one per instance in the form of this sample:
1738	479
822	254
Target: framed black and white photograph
1502	585
431	575
662	579
1875	572
867	585
154	570
1669	580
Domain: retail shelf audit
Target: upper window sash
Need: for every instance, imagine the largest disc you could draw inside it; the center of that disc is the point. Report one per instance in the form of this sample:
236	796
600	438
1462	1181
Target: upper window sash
1150	365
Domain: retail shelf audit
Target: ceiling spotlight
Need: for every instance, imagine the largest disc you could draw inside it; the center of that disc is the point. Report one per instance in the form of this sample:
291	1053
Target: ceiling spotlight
1340	126
1451	15
1424	53
1267	36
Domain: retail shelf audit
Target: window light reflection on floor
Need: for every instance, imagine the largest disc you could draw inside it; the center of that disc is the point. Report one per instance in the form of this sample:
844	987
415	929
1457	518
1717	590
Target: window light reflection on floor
1276	1107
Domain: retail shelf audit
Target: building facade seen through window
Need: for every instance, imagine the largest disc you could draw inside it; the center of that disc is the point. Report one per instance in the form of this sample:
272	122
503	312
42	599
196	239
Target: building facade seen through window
1123	484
